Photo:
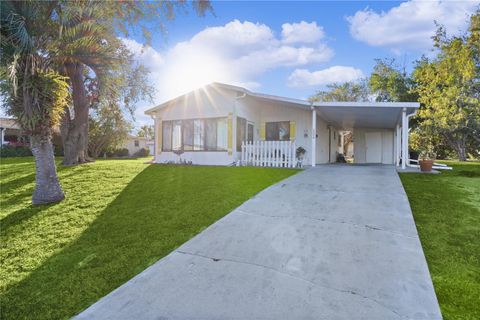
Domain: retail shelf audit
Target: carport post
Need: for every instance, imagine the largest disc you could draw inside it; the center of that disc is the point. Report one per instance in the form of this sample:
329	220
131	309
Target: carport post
398	142
404	138
314	134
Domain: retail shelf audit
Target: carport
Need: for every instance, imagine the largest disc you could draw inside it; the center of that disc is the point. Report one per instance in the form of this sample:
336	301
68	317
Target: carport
379	128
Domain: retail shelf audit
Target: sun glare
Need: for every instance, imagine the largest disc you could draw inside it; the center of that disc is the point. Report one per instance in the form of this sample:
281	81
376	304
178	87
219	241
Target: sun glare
192	72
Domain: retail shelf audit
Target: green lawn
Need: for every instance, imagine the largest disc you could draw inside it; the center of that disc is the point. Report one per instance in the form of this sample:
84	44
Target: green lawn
446	208
119	217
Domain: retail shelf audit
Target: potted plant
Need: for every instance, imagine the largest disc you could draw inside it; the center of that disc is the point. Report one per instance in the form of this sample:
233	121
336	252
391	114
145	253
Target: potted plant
426	160
299	153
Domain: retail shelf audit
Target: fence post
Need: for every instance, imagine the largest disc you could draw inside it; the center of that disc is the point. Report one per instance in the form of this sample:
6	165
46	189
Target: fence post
242	161
250	154
267	145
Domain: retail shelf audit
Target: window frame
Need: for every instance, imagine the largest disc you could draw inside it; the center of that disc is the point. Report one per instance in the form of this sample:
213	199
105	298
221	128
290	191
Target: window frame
204	134
277	127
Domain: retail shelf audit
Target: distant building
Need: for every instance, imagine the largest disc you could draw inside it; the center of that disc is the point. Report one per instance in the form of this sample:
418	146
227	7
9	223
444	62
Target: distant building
11	133
134	144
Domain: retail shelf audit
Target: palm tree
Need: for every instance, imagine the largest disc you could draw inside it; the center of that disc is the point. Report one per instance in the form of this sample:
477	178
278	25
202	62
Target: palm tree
32	91
85	47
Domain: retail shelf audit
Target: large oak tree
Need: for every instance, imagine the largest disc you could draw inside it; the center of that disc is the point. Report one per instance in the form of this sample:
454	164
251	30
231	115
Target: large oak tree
91	47
449	88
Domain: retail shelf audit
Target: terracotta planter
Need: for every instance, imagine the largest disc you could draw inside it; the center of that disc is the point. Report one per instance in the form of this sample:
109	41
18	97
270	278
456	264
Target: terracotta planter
426	165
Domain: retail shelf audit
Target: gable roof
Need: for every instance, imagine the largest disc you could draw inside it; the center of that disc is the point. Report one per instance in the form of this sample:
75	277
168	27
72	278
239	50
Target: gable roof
295	102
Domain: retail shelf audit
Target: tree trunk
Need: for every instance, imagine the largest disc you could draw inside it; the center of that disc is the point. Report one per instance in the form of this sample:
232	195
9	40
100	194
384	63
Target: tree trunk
47	187
458	143
461	151
75	131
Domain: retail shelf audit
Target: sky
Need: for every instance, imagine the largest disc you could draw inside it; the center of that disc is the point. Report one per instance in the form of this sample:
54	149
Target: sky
290	48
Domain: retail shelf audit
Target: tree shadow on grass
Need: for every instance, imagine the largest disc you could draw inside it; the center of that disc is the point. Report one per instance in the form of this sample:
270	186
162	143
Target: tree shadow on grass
160	209
18	182
21	215
129	235
468	173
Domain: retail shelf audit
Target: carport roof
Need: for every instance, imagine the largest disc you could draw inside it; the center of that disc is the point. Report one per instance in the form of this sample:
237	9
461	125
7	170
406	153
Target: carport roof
343	115
349	115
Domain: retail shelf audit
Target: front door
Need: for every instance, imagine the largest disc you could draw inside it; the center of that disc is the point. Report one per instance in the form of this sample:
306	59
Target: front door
373	141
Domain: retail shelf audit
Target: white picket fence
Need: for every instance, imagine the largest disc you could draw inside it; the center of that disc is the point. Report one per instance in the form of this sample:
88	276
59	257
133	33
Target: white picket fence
268	154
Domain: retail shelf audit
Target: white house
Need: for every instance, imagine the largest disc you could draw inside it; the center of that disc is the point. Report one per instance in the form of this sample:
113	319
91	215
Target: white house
208	125
135	144
11	133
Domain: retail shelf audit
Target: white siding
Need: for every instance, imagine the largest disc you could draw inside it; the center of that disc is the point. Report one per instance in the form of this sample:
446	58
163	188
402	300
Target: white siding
130	144
201	104
268	111
215	158
220	103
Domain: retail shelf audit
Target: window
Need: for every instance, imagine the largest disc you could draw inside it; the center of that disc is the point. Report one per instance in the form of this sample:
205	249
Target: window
167	136
211	134
188	135
177	136
277	131
195	135
198	135
222	134
136	143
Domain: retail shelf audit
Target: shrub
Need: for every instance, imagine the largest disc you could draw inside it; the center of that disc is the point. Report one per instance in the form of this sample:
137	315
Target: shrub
123	152
142	153
15	151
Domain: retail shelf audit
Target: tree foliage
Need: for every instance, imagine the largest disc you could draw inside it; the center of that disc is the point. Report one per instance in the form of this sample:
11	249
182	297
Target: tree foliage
98	63
389	83
449	89
108	129
32	91
347	91
146	131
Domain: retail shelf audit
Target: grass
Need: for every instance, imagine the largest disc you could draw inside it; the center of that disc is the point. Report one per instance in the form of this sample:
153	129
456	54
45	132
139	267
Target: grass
119	217
446	208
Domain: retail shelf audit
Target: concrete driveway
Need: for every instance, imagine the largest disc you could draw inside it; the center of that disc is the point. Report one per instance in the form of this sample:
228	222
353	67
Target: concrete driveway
333	242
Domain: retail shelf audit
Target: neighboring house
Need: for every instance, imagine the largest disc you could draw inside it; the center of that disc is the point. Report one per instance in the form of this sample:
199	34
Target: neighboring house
208	125
134	144
151	146
11	133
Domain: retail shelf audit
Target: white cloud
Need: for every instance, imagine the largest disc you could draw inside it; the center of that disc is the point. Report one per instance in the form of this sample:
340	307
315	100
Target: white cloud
144	54
411	24
236	53
239	52
302	32
305	78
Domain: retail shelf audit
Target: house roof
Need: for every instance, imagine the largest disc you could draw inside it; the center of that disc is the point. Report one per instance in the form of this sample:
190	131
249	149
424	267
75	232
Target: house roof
132	137
344	115
9	123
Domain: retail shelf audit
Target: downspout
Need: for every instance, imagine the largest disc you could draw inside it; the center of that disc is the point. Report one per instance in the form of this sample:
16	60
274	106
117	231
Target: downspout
408	121
314	134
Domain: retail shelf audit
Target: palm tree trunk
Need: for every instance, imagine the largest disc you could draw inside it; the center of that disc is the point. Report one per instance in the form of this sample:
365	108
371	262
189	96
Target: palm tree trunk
47	186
